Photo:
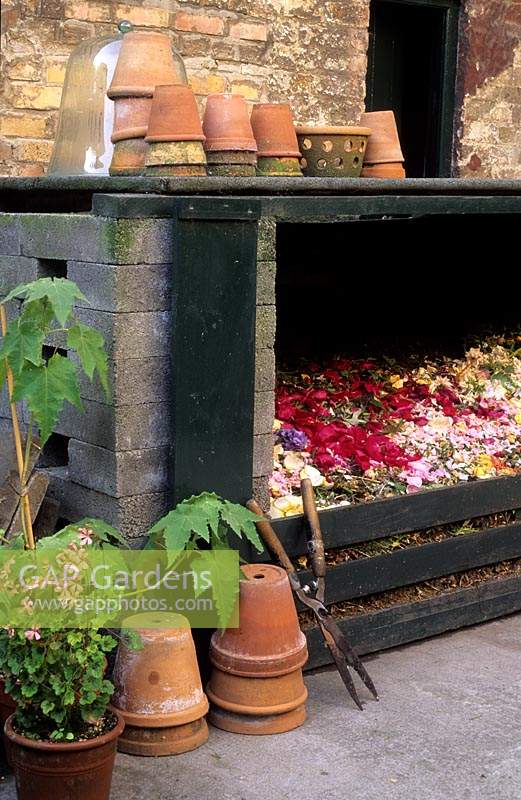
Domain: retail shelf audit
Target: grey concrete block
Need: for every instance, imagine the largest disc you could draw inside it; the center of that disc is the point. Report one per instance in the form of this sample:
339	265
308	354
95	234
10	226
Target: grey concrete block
123	287
84	237
262	455
266	327
261	492
133	335
132	516
15	270
266	274
264	412
132	381
132	472
117	428
10	234
265	370
267	242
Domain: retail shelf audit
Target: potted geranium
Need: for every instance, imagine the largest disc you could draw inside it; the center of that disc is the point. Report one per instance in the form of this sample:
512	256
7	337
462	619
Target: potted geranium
62	738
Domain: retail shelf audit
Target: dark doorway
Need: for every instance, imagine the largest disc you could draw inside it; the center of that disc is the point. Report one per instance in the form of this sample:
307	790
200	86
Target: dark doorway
412	70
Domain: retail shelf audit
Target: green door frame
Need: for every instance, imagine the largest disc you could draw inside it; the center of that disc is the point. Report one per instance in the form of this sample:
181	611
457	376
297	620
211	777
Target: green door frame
448	78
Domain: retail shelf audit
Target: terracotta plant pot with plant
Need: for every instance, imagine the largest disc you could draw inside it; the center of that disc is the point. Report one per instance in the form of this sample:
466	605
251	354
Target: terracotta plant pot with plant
175	134
62	738
158	690
145	60
256	686
277	146
383	155
230	144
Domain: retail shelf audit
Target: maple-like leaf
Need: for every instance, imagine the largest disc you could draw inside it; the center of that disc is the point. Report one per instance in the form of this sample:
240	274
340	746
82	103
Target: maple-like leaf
46	388
242	521
22	342
60	293
90	346
223	566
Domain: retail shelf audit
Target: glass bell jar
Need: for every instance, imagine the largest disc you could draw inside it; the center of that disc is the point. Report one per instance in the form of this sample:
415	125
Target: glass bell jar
86	118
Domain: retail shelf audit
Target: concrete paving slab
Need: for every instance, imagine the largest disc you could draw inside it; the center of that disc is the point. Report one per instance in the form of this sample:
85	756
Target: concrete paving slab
447	726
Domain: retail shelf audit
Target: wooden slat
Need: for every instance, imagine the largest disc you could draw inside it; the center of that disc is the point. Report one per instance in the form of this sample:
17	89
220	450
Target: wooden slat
409	622
415	564
364	522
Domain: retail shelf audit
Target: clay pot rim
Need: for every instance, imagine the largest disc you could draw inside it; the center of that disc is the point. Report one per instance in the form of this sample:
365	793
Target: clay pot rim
230	145
384	161
260	711
279	153
129	133
267	667
171	720
64	747
184	137
332	130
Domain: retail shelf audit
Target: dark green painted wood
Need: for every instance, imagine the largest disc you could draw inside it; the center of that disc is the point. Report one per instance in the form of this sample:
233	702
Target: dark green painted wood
416	564
409	622
347	525
213	349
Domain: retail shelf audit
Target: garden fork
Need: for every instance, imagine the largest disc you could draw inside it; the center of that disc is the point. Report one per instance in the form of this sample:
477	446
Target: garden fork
342	652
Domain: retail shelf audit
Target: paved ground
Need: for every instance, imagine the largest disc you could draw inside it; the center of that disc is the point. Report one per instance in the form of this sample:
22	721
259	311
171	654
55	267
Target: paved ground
448	727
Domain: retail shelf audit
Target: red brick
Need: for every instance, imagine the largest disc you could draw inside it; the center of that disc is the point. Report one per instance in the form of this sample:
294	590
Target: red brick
199	23
255	31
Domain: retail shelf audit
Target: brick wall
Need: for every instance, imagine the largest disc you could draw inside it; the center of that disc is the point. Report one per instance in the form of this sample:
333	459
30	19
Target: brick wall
310	52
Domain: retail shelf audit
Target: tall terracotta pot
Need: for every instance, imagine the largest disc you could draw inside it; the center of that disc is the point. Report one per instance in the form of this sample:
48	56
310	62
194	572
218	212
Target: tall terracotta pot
62	771
278	150
383	147
159	692
175	134
256	685
145	61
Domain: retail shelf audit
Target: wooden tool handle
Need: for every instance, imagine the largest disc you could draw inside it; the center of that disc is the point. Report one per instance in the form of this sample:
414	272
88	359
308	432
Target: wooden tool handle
270	537
315	542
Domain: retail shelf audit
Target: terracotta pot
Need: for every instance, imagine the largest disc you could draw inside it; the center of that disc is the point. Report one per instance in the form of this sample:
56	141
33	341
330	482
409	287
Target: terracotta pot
7	707
274	131
278	167
257	725
390	171
257	696
332	152
145	61
232	163
159	686
175	158
227	124
128	157
131	115
174	116
383	146
265	644
58	771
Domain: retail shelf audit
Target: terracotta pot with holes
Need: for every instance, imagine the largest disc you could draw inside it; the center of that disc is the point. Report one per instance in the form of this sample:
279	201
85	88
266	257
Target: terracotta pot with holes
256	685
159	692
265	644
383	147
332	152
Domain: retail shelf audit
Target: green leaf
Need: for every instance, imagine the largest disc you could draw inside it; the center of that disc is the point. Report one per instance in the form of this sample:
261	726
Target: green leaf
60	292
90	346
47	706
241	520
225	582
18	291
3	372
175	528
46	388
23	342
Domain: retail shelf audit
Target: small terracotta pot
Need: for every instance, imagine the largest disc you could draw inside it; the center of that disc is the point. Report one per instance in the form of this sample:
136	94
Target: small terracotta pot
226	124
128	157
131	116
159	686
58	771
257	725
174	116
383	146
145	61
278	168
266	644
274	131
257	696
390	171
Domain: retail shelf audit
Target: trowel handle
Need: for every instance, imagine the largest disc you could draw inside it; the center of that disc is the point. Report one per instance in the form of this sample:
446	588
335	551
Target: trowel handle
315	540
270	538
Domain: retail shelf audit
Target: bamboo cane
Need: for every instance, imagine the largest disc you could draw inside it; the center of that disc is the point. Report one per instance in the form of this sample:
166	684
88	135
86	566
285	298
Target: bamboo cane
24	497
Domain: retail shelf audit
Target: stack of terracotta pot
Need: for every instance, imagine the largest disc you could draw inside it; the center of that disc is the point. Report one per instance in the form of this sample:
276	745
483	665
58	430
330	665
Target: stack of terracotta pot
158	690
175	135
278	150
145	61
383	156
231	150
256	685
